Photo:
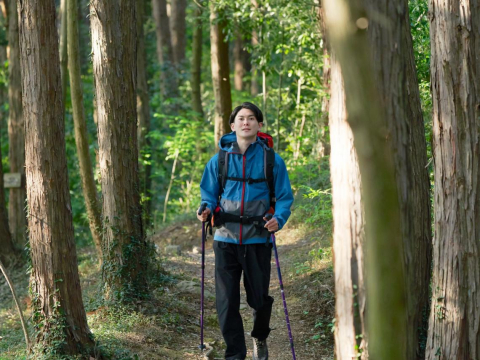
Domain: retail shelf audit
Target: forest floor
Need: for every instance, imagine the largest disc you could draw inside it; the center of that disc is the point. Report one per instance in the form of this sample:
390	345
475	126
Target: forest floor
168	325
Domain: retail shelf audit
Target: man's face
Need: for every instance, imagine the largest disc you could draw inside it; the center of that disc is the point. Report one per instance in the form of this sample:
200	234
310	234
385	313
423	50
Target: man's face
246	124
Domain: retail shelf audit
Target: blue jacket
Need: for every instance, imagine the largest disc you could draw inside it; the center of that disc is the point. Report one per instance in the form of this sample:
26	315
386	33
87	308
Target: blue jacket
242	198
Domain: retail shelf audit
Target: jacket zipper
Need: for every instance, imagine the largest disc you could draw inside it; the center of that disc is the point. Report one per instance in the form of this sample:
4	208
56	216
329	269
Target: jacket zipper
243	196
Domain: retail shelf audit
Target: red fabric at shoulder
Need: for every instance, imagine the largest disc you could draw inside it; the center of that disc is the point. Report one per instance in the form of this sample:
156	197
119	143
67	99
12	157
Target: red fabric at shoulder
267	137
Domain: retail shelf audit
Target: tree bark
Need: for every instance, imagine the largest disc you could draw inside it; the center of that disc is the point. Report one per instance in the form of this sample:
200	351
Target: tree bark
113	27
178	28
16	132
254	86
349	230
8	251
396	81
143	113
323	146
63	47
220	73
164	46
197	61
240	62
384	253
55	282
454	327
81	136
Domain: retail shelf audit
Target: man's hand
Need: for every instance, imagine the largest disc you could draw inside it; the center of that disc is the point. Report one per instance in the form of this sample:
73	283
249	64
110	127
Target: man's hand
271	225
204	215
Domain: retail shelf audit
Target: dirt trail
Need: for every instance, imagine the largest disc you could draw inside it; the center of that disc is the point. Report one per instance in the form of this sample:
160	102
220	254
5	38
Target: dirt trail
308	289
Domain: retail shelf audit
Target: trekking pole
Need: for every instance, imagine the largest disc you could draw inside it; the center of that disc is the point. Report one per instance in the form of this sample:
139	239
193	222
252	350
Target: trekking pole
200	211
287	319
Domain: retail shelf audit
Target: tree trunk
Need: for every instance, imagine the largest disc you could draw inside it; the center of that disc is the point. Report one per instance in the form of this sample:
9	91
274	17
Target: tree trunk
58	308
8	250
63	47
240	56
384	253
197	62
81	136
396	81
178	27
143	113
164	46
454	327
254	87
16	132
327	63
220	74
125	260
349	230
323	145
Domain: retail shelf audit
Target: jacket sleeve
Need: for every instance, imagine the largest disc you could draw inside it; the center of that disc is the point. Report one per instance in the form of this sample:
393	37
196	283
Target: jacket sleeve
209	187
283	192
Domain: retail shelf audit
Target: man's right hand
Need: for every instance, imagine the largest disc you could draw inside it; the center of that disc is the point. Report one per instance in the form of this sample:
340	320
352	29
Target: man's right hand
204	215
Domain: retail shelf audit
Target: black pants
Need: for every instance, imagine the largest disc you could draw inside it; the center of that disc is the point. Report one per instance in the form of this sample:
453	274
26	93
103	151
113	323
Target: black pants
230	261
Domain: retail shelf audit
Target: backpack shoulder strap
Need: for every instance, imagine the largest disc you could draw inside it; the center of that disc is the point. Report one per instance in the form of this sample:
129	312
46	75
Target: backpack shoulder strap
269	159
222	170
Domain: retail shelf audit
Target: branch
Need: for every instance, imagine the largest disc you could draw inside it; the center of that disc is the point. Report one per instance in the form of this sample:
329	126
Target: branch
25	332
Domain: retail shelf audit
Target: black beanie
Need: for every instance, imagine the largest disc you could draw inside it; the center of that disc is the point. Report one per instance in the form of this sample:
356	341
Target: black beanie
247	105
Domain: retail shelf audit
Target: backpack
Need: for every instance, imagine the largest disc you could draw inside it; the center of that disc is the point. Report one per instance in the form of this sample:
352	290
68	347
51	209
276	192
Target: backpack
269	162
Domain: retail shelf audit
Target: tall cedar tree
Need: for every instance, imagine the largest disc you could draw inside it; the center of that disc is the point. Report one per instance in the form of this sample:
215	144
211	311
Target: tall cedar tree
454	327
143	112
384	249
17	216
89	188
178	28
164	47
220	72
254	86
8	252
113	26
323	146
62	14
197	60
349	229
241	62
57	304
396	81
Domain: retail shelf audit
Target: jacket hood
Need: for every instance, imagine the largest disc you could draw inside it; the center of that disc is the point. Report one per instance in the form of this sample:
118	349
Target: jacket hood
226	141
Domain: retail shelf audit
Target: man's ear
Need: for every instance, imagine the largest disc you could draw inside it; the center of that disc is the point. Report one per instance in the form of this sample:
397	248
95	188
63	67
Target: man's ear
260	124
232	126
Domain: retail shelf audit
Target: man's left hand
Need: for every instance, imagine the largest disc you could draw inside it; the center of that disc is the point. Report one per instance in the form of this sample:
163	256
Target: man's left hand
271	225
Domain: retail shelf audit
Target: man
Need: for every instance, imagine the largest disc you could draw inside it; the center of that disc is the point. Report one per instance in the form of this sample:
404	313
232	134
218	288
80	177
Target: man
242	241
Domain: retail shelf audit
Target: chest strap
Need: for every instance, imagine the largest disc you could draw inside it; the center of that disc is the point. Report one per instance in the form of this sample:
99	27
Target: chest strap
248	180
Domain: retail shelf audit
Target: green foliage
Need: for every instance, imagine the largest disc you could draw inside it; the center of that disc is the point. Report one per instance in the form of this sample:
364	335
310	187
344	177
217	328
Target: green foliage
110	324
420	30
193	141
50	337
313	204
51	333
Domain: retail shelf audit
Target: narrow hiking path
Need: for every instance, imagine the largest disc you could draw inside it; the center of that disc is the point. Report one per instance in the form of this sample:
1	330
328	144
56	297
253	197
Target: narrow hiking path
307	275
167	326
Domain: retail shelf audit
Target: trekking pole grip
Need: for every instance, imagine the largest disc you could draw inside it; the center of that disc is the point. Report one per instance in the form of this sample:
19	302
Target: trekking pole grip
269	217
202	208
